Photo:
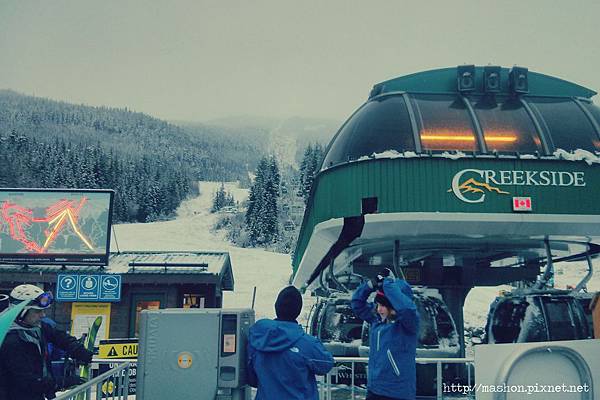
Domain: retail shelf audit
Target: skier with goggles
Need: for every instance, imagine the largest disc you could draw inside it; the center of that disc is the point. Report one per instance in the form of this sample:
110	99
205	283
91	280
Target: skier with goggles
25	369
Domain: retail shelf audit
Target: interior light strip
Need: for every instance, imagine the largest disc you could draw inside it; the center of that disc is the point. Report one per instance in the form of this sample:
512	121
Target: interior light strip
468	138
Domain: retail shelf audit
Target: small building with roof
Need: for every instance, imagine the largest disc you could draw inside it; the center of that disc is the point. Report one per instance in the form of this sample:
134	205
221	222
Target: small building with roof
149	280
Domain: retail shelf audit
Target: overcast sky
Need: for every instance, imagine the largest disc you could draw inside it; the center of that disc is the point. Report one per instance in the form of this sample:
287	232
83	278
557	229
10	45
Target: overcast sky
199	60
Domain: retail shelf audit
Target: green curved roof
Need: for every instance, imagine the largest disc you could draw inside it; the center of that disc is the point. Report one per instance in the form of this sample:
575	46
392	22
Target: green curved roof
445	81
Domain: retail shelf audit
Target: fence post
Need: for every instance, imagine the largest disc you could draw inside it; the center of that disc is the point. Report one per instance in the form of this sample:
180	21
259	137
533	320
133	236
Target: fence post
352	371
329	386
126	382
439	380
99	391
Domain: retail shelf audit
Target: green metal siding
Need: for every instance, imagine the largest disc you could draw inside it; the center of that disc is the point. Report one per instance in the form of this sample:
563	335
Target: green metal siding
444	81
422	184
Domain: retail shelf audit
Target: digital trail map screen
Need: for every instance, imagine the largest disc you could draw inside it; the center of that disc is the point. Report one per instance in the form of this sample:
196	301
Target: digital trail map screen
45	226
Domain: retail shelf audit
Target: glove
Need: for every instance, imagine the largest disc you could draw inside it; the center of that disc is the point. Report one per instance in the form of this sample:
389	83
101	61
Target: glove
47	385
377	282
72	380
385	273
372	284
84	358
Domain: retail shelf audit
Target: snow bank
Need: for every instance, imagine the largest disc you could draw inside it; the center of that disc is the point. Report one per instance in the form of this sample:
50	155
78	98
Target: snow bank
577	155
453	156
190	231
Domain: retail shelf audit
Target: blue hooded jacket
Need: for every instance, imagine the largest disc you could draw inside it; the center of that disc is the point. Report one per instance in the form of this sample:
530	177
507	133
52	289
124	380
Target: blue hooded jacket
283	361
392	343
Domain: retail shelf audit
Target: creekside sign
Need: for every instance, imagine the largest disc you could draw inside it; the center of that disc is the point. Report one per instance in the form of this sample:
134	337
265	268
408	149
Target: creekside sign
478	182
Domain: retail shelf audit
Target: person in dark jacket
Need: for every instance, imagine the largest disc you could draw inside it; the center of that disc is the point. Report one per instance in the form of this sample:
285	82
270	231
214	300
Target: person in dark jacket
25	370
282	359
392	336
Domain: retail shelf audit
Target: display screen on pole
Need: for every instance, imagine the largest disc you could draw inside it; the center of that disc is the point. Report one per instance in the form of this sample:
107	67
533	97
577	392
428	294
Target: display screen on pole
55	226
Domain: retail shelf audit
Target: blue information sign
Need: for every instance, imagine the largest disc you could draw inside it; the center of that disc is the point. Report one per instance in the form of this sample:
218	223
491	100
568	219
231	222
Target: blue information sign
73	287
110	287
88	287
66	288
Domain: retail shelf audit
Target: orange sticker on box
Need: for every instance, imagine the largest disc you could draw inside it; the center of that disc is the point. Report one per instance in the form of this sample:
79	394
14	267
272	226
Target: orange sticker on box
184	360
229	343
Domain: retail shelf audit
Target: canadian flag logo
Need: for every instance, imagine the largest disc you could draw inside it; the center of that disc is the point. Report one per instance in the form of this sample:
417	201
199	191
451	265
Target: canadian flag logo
521	203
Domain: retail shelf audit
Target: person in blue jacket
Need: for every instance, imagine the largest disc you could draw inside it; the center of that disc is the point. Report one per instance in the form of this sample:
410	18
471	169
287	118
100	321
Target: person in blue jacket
392	336
282	359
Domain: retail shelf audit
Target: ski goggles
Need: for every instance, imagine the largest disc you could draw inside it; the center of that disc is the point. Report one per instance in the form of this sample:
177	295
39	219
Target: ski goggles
44	300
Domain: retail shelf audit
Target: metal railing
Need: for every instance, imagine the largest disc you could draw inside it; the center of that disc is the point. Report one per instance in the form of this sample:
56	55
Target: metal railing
326	387
112	384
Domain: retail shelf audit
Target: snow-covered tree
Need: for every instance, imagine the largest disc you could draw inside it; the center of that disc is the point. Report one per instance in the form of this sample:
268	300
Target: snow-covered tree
262	212
222	198
309	167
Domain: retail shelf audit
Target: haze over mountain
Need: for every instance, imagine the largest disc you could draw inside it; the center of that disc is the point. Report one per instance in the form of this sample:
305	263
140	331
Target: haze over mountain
286	138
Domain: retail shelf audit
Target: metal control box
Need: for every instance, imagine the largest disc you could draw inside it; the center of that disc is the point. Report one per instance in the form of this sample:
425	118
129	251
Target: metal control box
197	354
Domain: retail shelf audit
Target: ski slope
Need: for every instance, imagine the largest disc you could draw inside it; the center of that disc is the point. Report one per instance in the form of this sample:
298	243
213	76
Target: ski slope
191	231
268	271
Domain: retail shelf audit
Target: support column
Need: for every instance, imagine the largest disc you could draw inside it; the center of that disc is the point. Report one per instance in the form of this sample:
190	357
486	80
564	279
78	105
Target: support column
455	301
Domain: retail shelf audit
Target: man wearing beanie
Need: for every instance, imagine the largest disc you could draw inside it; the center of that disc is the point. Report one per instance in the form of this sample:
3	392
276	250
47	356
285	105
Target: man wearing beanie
392	336
282	359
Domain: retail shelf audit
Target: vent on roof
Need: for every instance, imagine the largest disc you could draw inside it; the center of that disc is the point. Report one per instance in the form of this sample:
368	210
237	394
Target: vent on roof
167	265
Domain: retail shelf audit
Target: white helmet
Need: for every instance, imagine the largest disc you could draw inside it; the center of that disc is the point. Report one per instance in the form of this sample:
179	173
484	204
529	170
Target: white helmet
3	302
38	299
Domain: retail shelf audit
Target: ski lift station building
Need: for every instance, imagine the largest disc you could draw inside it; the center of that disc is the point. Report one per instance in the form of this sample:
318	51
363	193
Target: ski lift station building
461	177
149	280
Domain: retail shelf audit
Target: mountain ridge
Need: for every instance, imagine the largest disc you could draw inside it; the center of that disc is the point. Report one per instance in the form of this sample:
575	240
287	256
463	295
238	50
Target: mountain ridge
207	151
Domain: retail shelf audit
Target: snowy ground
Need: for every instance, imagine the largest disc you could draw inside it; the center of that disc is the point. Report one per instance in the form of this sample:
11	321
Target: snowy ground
269	271
190	231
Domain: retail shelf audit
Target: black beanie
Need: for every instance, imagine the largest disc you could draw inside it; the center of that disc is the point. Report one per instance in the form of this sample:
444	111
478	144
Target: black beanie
288	304
381	299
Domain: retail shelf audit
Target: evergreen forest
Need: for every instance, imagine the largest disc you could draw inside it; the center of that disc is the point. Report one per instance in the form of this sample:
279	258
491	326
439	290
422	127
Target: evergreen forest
151	164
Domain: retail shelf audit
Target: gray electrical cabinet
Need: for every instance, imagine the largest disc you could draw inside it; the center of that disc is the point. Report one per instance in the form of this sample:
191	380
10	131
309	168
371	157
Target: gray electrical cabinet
195	354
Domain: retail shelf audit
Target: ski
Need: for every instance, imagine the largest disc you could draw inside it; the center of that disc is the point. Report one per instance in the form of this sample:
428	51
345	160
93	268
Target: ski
90	340
8	316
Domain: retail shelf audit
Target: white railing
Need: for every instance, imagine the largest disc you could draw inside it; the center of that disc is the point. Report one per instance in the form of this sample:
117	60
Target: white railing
112	384
118	379
326	387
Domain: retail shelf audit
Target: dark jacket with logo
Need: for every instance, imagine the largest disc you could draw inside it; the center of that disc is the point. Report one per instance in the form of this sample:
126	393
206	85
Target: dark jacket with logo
283	361
392	343
25	370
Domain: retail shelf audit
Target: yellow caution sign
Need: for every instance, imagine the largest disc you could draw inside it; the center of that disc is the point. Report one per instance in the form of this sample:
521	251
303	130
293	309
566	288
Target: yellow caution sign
118	350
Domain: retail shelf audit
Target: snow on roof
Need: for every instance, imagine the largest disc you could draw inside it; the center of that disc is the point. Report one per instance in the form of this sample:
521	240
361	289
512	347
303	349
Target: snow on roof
173	262
577	155
560	154
149	262
168	262
388	154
